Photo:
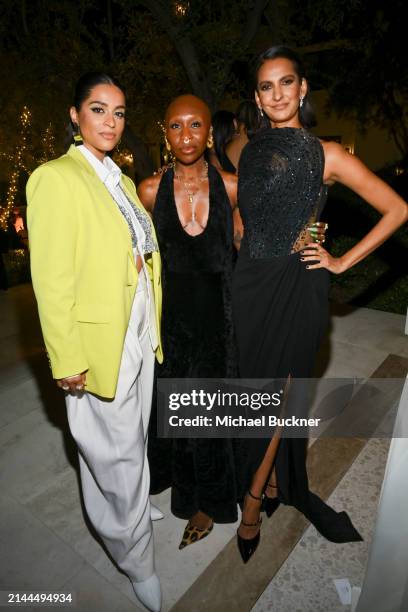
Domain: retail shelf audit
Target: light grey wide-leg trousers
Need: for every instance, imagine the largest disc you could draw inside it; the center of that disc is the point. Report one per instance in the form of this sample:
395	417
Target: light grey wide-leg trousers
111	436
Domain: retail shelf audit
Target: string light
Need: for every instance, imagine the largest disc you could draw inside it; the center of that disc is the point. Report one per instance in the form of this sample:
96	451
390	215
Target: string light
123	158
48	142
18	164
181	9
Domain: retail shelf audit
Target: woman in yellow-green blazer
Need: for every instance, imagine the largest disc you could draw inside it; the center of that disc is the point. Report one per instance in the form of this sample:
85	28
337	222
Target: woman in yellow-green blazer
83	269
96	275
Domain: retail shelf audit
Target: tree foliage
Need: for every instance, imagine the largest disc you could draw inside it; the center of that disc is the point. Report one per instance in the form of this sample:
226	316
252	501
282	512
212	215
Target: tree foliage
162	48
366	74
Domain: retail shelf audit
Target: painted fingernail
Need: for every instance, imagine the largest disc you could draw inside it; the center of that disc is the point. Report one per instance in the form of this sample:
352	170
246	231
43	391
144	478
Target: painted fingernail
307	267
302	259
65	388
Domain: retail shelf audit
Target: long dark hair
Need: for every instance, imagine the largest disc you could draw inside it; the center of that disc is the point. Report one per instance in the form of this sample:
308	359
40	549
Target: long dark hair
223	131
306	113
248	115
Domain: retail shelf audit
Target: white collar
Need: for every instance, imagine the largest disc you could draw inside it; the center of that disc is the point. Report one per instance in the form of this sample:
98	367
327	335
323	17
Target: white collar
109	173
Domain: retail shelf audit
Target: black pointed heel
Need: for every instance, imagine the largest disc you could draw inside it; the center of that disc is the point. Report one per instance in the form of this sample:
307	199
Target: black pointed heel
271	503
247	546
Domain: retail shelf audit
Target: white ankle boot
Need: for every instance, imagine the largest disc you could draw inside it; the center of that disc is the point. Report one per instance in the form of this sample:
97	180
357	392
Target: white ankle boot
155	513
148	593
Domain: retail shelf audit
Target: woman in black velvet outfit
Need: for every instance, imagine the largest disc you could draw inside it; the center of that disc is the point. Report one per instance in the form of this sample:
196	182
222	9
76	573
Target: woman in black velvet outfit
280	283
192	206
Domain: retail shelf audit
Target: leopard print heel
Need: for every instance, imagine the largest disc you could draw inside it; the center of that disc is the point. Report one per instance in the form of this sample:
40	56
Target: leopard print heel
194	534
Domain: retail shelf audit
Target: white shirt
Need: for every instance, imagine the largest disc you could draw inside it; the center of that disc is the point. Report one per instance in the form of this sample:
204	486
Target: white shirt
110	175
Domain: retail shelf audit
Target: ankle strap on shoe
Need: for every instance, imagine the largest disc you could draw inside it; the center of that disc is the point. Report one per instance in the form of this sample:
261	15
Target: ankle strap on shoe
254	496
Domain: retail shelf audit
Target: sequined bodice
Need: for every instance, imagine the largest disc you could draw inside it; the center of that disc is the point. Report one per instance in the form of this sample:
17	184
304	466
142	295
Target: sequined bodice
150	243
280	190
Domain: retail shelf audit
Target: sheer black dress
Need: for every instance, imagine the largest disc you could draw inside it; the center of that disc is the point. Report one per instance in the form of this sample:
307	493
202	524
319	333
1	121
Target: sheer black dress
197	337
280	308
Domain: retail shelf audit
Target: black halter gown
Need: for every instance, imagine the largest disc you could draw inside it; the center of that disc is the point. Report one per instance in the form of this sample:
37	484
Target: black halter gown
197	343
280	309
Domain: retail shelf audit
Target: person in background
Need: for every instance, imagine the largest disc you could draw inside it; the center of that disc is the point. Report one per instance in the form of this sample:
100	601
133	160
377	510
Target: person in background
96	274
17	220
16	230
247	122
224	128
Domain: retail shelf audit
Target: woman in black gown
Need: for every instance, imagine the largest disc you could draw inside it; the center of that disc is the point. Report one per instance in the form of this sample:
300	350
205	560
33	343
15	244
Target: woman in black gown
280	283
192	206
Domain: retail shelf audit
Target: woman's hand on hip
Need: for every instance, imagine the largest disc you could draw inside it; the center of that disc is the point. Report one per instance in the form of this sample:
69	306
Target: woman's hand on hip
315	256
74	383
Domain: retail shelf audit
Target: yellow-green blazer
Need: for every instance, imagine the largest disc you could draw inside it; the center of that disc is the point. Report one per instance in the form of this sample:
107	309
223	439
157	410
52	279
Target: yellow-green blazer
83	270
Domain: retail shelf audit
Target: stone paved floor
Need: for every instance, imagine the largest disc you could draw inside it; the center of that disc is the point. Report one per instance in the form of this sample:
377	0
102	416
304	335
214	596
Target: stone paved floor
44	538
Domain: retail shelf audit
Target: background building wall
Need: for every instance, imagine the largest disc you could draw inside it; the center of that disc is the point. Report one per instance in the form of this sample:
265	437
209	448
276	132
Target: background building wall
374	147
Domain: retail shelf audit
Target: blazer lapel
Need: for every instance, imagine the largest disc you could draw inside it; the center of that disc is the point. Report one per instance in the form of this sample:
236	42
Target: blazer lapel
103	196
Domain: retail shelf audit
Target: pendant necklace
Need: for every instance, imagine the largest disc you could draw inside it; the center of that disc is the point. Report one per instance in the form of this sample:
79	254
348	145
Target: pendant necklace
191	194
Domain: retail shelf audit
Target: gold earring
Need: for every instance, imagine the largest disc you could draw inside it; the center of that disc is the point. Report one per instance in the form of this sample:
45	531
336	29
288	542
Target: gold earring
168	145
210	140
77	136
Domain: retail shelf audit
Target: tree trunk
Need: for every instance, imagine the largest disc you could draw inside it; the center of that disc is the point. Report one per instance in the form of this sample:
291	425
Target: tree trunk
184	47
395	114
187	51
142	163
254	15
24	17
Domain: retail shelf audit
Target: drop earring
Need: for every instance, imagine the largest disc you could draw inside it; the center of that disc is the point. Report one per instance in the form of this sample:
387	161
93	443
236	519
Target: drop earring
77	136
302	98
167	144
210	140
169	158
260	111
